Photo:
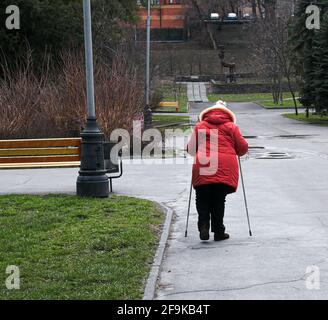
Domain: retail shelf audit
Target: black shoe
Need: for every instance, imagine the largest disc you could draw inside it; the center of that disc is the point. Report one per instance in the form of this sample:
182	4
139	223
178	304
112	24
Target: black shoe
221	236
204	233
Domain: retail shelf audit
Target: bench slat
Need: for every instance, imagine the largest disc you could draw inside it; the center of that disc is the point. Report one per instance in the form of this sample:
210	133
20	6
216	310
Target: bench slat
39	151
40	143
168	104
39	159
44	165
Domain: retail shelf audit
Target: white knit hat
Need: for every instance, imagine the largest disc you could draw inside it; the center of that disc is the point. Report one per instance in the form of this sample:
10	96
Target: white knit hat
220	105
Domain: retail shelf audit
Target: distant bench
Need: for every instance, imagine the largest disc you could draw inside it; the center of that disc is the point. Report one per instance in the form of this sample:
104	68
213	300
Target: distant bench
51	153
169	104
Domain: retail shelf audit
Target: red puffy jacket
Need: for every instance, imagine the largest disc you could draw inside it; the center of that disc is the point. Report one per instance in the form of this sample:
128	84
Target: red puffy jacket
215	143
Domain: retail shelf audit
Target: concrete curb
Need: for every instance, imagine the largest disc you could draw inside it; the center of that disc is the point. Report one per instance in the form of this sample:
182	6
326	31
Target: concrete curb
150	289
276	108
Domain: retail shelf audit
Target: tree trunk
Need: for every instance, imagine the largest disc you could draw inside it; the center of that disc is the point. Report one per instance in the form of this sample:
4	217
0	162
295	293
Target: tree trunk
208	30
270	9
293	94
254	12
259	5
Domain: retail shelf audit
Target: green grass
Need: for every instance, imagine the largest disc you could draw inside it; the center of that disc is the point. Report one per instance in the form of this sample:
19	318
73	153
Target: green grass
288	104
313	119
264	99
72	248
169	120
240	97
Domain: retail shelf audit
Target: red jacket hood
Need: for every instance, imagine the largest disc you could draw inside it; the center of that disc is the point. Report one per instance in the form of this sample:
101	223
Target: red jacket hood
217	115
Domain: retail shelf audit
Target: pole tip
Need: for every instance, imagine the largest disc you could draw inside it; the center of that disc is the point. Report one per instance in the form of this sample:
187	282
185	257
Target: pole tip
186	234
250	233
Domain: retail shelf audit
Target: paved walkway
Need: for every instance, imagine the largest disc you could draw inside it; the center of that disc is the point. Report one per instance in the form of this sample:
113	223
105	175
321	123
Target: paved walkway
196	92
288	207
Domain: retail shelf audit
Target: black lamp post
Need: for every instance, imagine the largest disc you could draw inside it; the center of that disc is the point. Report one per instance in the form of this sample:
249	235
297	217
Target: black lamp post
92	180
147	110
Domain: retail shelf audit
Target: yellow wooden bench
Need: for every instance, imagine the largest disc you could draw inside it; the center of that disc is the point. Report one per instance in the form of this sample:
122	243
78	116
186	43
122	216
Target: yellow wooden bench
169	104
52	153
40	153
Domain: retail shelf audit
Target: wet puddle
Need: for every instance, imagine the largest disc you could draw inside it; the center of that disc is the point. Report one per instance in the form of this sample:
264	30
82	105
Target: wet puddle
284	136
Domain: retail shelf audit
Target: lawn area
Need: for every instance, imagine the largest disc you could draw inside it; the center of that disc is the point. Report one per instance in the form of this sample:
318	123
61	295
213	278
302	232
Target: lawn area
169	120
287	104
264	99
75	248
240	97
169	95
313	119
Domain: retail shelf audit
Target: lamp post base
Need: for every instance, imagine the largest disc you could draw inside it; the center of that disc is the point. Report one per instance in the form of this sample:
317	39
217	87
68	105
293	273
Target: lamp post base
148	117
93	187
92	180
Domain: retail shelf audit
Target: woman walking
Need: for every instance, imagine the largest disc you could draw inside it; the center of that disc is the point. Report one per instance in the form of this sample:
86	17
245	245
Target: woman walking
215	142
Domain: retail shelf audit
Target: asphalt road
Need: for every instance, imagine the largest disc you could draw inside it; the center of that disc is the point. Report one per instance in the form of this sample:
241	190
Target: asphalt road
287	258
288	206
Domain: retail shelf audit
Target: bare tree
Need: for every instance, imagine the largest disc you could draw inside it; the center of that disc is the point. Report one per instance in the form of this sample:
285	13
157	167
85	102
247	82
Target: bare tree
272	55
201	9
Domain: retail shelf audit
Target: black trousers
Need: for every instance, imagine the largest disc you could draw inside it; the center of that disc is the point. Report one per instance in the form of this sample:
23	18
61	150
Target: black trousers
210	203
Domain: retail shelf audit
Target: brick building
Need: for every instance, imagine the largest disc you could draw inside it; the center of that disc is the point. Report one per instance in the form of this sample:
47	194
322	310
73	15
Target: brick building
169	19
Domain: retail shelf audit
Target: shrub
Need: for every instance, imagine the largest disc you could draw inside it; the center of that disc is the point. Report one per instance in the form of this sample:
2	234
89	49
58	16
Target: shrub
53	104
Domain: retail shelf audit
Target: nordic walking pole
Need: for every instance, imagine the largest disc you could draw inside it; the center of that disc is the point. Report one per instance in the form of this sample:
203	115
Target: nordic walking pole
246	206
190	194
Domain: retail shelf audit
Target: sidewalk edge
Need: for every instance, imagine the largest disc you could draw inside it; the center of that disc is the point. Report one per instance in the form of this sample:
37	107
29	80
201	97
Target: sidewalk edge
150	289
